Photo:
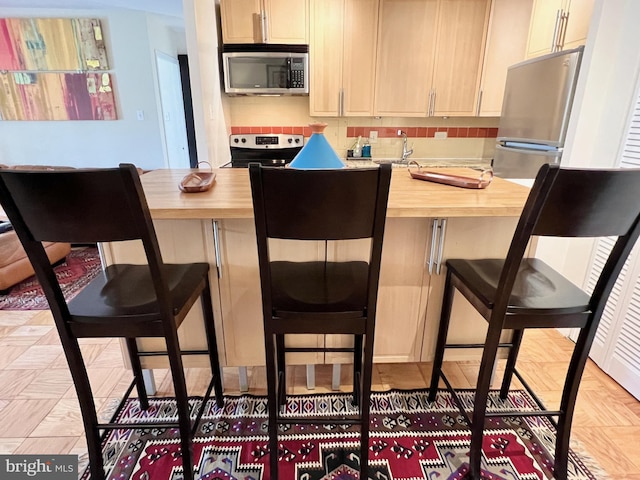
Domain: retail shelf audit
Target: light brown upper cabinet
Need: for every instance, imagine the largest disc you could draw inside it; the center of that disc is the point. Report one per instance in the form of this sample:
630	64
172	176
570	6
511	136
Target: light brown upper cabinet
462	28
506	45
406	50
558	25
342	47
265	21
430	57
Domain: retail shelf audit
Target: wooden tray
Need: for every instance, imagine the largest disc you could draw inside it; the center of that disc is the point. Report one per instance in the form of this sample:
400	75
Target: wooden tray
483	180
197	182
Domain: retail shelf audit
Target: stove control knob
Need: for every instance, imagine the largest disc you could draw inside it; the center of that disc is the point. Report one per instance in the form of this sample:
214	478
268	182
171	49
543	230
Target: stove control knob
289	140
244	140
297	140
235	140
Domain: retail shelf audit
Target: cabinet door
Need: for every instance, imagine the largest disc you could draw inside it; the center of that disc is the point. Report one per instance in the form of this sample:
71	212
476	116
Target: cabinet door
406	49
402	292
287	21
462	26
343	54
241	21
580	12
359	59
326	52
545	20
240	295
506	45
470	238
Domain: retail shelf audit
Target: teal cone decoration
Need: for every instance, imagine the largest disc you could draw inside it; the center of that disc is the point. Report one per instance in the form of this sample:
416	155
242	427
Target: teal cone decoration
317	153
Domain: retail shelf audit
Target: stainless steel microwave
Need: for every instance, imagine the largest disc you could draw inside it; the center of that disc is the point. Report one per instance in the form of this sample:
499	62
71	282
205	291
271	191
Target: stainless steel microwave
265	69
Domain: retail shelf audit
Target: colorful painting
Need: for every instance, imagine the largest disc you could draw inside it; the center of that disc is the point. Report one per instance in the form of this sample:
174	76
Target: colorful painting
40	44
56	96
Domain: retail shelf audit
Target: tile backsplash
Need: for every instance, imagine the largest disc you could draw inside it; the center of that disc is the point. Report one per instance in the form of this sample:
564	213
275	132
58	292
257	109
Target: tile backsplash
466	137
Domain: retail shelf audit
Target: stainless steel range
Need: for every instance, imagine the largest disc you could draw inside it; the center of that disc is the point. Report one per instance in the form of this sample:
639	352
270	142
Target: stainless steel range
268	149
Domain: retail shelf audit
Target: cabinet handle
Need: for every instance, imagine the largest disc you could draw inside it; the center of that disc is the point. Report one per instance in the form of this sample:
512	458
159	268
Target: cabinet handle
434	241
563	29
443	228
341	103
479	103
433	104
216	246
556	33
263	25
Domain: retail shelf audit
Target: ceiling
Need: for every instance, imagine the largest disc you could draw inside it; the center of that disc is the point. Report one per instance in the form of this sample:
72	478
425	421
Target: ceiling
172	8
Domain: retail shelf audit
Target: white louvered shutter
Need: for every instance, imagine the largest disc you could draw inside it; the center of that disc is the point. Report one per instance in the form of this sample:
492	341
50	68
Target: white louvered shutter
616	348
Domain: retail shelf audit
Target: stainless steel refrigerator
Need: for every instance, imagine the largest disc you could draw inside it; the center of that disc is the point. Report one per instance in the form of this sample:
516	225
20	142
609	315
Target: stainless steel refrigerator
537	103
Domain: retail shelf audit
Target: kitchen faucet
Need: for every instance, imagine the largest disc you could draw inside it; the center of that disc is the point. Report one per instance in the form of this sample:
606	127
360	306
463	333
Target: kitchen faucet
405	152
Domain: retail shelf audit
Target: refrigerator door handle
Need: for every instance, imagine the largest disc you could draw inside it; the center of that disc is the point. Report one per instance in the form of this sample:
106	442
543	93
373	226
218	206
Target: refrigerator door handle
529	150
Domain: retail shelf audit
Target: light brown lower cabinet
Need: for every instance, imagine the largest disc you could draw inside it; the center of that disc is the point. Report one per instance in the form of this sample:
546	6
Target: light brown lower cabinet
409	299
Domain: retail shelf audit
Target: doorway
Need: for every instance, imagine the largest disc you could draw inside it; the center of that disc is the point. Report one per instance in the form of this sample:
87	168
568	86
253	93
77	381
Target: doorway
173	115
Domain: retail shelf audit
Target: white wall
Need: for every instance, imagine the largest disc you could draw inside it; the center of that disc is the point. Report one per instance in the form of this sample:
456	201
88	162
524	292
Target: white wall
131	38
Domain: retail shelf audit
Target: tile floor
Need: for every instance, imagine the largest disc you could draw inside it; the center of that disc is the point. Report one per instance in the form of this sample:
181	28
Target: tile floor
39	411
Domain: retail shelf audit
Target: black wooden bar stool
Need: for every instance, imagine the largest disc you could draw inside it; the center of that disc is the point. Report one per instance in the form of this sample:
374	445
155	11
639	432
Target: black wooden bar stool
518	293
319	297
129	301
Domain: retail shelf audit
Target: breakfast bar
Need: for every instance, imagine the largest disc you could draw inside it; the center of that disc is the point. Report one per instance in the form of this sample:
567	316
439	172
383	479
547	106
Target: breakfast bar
426	224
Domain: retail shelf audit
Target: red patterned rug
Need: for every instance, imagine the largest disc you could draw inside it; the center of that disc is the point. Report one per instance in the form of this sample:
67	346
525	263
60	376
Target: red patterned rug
410	440
79	268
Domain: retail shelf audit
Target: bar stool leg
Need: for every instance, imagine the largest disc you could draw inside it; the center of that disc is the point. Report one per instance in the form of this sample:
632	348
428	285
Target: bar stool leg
212	345
357	368
272	402
443	330
182	404
136	368
481	396
516	340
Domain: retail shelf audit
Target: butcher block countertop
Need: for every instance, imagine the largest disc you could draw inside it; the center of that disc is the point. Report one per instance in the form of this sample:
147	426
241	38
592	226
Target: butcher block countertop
230	196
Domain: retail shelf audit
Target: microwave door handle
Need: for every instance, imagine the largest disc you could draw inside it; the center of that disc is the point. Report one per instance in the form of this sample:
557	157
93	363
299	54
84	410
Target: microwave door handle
288	73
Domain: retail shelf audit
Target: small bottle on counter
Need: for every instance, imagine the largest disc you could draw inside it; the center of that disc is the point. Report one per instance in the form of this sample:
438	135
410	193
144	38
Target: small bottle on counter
366	149
357	148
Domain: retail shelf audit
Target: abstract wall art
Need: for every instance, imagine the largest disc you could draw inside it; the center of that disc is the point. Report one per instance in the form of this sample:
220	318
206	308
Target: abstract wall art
56	96
54	69
41	44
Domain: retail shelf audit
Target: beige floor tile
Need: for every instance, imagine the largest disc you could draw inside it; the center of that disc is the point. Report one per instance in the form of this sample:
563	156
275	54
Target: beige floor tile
36	357
51	383
9	445
64	420
41	317
46	445
21	340
20	417
608	449
109	357
8	353
13	318
15	381
31	331
51	338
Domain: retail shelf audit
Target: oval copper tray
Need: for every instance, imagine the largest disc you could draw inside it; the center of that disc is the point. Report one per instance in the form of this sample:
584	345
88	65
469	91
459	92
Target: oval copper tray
482	181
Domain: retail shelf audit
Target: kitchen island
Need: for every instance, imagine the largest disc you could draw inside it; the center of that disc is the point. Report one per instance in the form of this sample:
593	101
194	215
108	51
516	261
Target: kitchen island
426	223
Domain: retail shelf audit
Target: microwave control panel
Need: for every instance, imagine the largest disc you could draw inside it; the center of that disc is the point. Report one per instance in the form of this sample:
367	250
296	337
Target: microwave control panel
297	72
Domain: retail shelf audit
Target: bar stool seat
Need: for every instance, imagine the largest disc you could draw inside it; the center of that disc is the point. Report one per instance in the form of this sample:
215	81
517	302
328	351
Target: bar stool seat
538	287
